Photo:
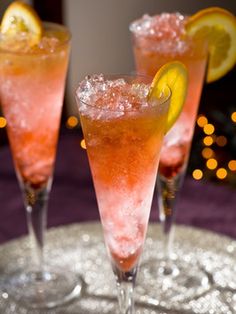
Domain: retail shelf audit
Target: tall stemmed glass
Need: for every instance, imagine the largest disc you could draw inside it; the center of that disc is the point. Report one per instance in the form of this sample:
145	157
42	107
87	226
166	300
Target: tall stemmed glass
123	134
157	40
32	82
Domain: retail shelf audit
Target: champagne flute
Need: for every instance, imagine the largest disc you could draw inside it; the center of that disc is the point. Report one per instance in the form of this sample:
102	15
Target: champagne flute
32	82
157	40
123	134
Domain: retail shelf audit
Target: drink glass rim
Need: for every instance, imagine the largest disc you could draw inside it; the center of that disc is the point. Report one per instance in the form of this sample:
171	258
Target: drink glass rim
46	25
158	102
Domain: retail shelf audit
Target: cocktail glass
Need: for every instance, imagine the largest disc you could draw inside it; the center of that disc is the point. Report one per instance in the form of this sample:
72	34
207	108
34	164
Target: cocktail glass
123	134
157	40
32	82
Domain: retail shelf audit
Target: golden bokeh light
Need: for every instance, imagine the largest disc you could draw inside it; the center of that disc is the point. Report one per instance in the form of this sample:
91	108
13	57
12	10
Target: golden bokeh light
208	129
82	144
208	140
211	163
197	174
221	173
207	153
221	141
201	121
3	122
233	116
232	165
72	122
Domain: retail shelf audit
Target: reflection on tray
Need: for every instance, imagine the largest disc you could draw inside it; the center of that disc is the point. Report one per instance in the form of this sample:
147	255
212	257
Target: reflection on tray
80	249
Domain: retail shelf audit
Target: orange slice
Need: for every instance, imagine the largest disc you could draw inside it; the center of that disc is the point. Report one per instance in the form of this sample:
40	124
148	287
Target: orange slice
20	17
218	27
173	75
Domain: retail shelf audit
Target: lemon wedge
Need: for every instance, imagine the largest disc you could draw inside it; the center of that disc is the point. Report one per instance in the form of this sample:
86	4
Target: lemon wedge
20	17
218	27
173	75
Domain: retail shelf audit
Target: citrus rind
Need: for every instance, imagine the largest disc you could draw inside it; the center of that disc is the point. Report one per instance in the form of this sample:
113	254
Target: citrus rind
20	17
218	27
173	75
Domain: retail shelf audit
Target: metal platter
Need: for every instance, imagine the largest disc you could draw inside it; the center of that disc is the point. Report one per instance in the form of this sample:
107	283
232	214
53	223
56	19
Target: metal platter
79	248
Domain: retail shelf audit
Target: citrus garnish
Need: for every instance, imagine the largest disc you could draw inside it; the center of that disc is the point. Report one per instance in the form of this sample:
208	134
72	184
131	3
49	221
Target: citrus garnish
173	75
218	27
20	17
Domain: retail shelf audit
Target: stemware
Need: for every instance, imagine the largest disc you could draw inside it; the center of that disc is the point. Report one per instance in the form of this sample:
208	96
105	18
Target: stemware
32	85
157	40
123	134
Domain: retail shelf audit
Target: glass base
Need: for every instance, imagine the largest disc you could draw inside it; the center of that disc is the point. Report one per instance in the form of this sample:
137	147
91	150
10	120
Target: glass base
38	290
172	281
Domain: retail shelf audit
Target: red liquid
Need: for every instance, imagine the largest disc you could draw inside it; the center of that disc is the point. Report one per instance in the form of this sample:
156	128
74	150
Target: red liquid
123	151
31	92
151	52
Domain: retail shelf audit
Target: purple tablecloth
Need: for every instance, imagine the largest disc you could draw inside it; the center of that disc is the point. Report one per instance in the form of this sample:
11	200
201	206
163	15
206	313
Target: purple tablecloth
202	204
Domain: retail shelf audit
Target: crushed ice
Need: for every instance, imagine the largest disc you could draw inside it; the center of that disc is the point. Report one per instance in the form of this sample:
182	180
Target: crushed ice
22	43
114	95
166	30
169	25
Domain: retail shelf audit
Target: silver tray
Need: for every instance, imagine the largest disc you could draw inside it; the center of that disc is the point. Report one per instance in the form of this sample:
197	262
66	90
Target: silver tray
80	249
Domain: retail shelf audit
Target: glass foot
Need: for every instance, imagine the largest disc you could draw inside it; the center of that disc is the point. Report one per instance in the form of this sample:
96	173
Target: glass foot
172	281
38	290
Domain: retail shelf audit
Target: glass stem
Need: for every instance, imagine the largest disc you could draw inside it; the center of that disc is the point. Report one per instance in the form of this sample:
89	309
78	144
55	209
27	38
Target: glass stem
125	282
36	201
168	191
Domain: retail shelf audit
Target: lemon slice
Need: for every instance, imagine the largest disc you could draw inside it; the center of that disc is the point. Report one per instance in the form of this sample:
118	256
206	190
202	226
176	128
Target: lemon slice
20	17
218	27
175	76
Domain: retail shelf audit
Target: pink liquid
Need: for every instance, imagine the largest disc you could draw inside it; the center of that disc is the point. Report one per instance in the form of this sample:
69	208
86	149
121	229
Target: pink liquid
156	41
175	148
123	140
31	92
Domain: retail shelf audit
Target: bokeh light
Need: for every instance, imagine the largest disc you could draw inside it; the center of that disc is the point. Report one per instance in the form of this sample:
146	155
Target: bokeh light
221	141
201	121
232	165
211	163
207	152
208	140
82	144
72	122
233	116
3	122
197	174
221	173
209	129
